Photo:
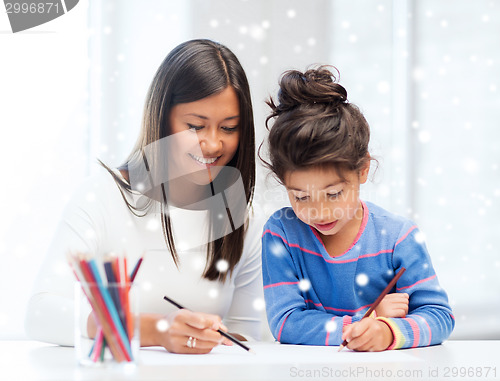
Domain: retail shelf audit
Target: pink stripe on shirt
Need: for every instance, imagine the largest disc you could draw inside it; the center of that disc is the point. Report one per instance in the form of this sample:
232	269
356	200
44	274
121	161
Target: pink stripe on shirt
281	328
416	331
280	284
414	284
337	309
405	235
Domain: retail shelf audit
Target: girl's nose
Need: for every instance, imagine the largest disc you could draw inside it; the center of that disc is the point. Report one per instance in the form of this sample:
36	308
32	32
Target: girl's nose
320	212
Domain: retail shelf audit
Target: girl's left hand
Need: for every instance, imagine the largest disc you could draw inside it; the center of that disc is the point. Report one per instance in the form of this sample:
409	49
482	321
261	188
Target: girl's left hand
368	335
393	305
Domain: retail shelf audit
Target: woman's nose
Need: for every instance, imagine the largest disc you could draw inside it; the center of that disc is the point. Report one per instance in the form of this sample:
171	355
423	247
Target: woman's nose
211	143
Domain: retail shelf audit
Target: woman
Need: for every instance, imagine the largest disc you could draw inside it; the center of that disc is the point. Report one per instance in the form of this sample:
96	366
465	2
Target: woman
182	200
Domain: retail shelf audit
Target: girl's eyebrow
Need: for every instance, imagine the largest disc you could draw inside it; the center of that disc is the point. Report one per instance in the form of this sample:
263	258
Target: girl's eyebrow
328	186
206	118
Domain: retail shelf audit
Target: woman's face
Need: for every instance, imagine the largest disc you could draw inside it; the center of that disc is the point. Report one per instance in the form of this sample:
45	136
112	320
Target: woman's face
205	134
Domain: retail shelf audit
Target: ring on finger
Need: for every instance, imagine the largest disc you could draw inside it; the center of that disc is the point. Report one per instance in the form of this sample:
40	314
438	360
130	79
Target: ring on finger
191	342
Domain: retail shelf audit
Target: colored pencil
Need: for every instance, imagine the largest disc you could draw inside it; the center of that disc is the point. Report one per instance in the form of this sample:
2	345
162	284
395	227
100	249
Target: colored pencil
110	266
135	270
114	289
99	308
85	278
112	311
386	290
225	334
110	302
125	290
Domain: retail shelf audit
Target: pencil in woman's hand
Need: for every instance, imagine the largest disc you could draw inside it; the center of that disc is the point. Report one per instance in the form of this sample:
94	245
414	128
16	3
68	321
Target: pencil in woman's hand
379	299
225	334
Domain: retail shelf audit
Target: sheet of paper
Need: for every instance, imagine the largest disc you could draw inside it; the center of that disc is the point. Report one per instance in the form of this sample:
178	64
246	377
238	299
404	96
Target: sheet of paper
267	353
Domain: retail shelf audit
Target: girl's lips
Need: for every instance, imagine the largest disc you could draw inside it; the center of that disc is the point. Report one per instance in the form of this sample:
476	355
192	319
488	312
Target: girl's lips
325	227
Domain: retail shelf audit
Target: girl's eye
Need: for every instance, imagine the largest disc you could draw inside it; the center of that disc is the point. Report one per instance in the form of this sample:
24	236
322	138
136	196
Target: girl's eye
194	128
334	196
299	199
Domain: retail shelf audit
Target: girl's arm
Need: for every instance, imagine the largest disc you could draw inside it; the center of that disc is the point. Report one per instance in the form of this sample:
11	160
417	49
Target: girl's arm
290	319
430	320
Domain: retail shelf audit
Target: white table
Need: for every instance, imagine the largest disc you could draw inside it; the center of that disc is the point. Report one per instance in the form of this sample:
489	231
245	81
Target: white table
460	360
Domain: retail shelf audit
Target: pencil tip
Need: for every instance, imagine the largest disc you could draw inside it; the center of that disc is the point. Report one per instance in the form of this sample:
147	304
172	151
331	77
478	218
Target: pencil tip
252	351
341	347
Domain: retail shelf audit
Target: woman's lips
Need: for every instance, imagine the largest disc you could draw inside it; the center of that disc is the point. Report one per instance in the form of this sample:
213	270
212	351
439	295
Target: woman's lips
325	227
206	163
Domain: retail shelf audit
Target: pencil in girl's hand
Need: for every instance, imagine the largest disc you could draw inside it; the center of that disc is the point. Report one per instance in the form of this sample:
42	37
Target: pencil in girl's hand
225	334
379	299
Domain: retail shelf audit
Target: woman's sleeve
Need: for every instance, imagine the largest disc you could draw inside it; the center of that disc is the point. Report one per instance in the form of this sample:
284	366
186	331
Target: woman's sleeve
50	310
290	319
430	320
247	307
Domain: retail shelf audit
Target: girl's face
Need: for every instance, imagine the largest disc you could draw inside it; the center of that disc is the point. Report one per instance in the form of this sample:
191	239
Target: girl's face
322	199
206	134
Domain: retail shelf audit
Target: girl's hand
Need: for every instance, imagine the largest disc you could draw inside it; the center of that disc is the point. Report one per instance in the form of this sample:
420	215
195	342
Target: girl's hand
393	306
185	331
368	335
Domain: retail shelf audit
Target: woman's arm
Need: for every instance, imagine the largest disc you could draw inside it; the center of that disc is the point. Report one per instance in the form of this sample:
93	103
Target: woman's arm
246	313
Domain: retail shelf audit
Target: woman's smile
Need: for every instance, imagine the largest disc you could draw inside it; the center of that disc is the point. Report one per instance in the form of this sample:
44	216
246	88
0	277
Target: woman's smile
205	161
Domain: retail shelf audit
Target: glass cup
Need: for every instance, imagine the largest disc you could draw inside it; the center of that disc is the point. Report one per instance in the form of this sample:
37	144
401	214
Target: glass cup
107	323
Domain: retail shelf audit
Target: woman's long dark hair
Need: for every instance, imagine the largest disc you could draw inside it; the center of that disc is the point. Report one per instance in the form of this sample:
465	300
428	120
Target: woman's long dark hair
192	71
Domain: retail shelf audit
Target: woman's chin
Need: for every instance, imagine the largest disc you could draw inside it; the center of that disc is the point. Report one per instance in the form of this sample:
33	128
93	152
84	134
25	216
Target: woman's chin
204	176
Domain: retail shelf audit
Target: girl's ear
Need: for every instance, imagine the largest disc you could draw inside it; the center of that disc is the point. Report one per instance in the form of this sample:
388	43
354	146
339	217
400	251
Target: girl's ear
363	173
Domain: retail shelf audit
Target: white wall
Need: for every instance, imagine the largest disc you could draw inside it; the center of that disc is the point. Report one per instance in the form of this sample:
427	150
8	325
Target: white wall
425	73
44	146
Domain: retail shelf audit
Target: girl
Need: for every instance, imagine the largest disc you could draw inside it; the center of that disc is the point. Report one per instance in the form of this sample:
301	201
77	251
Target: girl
328	257
182	197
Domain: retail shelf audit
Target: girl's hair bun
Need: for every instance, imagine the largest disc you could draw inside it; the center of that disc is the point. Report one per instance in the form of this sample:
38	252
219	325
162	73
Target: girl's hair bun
312	87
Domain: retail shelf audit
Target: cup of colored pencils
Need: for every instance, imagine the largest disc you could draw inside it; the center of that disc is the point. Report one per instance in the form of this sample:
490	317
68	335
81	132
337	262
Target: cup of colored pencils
106	311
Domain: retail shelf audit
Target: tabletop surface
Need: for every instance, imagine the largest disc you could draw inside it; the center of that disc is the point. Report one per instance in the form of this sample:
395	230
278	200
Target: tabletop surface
453	360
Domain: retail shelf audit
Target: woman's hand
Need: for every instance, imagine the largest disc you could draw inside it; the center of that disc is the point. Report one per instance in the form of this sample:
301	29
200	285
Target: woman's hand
368	335
183	331
393	306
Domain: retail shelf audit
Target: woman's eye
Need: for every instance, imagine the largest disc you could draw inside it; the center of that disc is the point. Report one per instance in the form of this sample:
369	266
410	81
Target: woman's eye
194	128
230	129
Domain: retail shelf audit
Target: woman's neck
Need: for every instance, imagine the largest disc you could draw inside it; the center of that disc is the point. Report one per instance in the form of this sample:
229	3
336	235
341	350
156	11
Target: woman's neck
180	193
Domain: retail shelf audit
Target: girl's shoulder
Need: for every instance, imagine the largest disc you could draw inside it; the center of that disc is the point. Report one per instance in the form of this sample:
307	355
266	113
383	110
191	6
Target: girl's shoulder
382	220
285	220
283	215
